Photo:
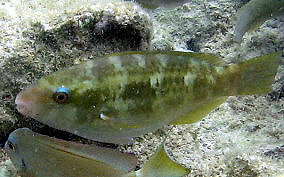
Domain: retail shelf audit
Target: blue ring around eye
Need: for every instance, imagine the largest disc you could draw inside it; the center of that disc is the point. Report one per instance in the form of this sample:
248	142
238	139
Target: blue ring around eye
11	143
62	89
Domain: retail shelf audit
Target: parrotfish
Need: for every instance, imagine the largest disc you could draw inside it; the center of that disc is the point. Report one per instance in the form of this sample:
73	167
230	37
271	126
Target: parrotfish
36	155
255	13
121	96
153	4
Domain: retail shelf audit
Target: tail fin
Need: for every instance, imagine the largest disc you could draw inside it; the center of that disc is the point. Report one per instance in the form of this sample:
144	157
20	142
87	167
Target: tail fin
254	76
160	165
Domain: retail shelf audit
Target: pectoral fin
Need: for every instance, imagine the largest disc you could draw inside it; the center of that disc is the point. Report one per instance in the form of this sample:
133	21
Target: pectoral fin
200	111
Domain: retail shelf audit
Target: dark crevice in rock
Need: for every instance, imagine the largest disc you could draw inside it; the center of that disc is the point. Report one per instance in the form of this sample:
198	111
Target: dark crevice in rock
277	152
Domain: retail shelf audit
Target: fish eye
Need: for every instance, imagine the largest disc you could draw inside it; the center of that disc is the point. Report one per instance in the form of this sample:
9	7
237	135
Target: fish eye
11	146
61	95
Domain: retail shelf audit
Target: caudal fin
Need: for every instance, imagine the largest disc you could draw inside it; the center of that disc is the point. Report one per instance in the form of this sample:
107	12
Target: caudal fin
160	165
254	76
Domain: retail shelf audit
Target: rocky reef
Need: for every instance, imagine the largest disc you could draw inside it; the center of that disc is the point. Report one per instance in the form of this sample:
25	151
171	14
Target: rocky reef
41	37
243	137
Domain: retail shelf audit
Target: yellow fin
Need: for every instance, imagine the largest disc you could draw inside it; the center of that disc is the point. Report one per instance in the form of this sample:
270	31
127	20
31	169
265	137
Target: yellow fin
254	76
210	58
200	111
160	165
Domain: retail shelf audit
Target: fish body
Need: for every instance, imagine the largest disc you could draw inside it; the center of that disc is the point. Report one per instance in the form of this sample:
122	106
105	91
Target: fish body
36	155
255	13
124	95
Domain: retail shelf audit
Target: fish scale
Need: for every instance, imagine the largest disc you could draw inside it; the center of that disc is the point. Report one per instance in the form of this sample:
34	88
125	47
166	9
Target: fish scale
138	90
121	96
36	155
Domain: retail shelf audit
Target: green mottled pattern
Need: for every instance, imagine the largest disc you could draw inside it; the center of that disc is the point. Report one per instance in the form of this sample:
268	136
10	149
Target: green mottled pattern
124	95
133	90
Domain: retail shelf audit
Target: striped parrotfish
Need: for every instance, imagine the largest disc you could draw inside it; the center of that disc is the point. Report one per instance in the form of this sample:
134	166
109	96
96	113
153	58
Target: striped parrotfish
255	13
125	95
36	155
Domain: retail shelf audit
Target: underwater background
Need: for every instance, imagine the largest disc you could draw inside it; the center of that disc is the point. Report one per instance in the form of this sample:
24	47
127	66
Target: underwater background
242	137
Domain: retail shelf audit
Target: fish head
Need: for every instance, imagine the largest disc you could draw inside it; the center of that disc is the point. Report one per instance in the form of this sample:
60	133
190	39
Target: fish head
15	146
67	100
34	100
37	155
56	100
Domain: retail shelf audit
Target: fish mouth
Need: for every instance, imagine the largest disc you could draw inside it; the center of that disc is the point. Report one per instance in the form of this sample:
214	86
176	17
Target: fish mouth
30	101
23	106
27	104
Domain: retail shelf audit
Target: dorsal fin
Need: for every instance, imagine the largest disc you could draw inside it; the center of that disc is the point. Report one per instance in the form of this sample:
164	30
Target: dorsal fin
208	57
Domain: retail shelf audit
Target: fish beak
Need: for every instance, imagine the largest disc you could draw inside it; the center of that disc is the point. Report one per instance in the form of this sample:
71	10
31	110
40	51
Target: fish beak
23	105
31	100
